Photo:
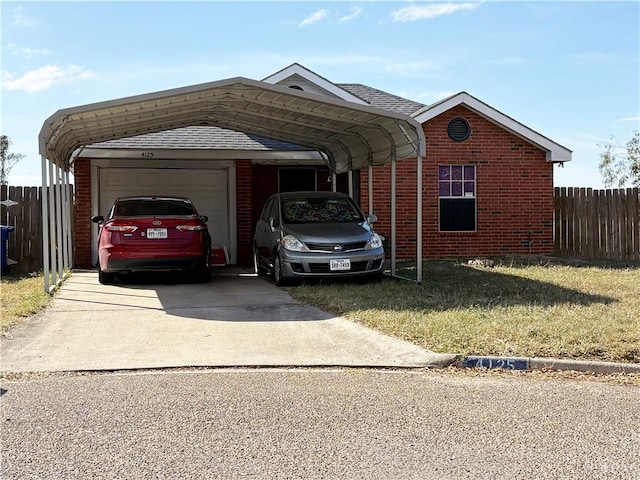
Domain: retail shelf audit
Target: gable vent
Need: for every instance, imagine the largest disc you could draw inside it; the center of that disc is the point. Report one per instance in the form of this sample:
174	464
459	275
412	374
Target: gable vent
458	129
296	87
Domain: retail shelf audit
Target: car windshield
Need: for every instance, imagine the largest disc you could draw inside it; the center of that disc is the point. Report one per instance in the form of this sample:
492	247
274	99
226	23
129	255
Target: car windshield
316	210
139	207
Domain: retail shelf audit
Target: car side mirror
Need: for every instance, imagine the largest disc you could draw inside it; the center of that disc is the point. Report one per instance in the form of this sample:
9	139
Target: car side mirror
204	218
97	219
371	219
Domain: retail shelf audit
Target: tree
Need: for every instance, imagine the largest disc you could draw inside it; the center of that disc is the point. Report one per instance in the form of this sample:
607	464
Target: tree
620	164
7	160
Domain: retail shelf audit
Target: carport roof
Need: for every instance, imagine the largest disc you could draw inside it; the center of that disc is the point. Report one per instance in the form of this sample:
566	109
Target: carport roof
349	135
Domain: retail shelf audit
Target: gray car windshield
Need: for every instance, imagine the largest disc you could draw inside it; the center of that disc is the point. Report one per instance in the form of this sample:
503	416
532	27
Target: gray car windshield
153	207
317	210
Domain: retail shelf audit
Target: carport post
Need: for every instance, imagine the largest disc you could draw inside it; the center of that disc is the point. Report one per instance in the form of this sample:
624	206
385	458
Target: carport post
67	223
46	261
350	176
419	222
52	229
59	222
393	216
370	187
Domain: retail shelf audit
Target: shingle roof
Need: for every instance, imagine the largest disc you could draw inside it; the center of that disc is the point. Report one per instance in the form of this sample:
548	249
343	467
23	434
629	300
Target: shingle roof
379	99
200	138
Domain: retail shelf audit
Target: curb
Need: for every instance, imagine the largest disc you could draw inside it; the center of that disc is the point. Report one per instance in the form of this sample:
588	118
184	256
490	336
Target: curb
523	363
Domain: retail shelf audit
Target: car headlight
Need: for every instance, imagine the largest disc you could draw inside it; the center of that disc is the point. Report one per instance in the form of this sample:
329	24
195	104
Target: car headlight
292	243
374	242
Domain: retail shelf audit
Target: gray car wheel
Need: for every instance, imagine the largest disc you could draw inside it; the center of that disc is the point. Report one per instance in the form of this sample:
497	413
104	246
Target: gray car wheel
277	271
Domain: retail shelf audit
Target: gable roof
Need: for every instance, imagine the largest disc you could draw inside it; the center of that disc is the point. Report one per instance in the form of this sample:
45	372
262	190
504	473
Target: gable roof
555	151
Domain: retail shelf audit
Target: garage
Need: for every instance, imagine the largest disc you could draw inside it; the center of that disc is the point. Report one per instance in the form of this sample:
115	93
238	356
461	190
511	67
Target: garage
208	187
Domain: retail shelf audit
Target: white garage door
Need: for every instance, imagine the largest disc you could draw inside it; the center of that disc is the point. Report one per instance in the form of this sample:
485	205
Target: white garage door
207	188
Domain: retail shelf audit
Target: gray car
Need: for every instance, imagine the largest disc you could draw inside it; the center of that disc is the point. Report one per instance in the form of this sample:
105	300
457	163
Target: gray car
304	235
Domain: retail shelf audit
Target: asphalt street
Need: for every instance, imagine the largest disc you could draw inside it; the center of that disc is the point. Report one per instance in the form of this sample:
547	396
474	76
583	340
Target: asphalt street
317	424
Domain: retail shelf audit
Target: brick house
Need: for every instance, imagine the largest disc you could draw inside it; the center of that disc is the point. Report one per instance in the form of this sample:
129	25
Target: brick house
487	180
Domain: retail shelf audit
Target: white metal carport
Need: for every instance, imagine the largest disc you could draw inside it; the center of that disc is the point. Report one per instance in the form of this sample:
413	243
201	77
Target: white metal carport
349	137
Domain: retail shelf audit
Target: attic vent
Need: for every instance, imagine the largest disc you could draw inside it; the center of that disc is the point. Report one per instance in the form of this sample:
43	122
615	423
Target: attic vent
458	129
296	87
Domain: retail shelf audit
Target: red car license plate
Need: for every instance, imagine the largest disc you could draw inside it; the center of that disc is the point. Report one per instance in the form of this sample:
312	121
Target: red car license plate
156	233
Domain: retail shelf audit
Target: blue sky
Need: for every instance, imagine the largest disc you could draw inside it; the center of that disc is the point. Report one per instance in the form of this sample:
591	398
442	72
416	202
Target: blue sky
568	70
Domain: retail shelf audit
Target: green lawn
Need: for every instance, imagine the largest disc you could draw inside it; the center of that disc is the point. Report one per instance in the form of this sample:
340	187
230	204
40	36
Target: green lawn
21	297
550	310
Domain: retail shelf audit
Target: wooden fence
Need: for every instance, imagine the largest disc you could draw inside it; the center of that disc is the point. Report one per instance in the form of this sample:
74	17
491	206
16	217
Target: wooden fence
597	224
21	208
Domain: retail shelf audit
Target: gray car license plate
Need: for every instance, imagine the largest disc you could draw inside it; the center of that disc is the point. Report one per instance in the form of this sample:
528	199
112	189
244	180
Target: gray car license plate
337	265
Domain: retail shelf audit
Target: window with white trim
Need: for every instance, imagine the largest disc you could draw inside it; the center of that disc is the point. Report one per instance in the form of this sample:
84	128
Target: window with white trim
457	198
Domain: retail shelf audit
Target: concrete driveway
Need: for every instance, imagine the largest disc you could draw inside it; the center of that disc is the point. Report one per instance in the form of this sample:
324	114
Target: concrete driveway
236	320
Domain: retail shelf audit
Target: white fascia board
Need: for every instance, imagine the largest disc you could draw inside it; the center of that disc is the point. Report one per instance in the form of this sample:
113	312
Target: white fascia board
150	154
297	69
555	151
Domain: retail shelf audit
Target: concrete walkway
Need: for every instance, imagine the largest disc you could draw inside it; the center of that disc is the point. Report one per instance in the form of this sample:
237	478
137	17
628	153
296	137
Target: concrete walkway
236	320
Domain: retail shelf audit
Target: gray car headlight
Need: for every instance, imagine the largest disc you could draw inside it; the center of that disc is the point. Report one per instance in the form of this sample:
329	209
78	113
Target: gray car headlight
293	244
374	242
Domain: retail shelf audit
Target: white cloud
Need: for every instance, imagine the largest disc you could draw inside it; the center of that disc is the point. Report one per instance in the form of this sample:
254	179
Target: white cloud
425	12
19	19
355	11
14	49
314	18
630	119
43	78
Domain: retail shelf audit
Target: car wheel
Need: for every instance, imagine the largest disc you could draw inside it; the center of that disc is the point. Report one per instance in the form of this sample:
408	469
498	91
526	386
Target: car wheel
105	278
259	269
278	279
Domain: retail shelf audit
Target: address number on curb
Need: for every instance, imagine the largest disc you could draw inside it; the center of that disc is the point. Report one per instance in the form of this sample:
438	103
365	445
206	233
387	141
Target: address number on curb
505	363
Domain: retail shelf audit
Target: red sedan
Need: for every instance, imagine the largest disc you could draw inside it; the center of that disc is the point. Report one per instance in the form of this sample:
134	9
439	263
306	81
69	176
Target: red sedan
153	233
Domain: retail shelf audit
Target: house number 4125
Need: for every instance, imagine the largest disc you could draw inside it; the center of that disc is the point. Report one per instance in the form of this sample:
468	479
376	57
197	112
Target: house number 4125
147	154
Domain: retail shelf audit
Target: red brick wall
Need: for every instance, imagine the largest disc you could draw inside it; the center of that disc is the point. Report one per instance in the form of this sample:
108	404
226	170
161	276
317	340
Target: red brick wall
82	213
514	193
244	211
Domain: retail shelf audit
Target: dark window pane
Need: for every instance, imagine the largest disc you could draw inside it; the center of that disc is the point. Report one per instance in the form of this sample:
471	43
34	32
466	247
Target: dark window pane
444	189
456	172
456	189
469	189
469	172
457	214
444	173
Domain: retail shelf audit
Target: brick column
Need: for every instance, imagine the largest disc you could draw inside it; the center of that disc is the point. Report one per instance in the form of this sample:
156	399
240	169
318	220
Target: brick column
244	212
82	213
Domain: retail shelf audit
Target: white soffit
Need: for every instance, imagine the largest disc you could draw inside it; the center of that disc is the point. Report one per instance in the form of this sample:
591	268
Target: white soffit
555	151
349	135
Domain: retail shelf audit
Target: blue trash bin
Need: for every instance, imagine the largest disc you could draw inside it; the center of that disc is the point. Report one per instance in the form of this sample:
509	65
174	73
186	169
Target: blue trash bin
5	230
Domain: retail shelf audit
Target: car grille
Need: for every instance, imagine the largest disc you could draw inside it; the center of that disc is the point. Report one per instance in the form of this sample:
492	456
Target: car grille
329	247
